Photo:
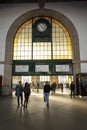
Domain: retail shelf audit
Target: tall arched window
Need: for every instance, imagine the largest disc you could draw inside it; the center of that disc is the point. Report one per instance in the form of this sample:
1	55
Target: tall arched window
59	48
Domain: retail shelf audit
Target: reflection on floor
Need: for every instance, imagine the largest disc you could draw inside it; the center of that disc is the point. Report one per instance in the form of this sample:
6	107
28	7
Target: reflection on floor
64	113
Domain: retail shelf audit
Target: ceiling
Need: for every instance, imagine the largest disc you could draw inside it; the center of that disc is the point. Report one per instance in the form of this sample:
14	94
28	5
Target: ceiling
36	1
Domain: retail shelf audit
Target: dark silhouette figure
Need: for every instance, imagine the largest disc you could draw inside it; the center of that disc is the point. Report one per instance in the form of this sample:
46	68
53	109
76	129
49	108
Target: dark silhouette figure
38	85
46	93
53	87
72	87
61	86
19	93
27	92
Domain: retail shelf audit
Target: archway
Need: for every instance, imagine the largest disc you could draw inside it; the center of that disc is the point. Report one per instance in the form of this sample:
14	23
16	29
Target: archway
10	37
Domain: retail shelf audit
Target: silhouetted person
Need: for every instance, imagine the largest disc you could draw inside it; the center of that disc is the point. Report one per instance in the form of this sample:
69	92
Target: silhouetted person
72	87
46	93
61	86
27	92
53	87
19	93
38	85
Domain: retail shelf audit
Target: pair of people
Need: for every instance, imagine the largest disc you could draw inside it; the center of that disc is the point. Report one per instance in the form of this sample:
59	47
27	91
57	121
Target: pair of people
19	93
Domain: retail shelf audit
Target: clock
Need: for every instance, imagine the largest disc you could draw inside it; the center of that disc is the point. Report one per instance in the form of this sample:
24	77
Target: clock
41	27
41	31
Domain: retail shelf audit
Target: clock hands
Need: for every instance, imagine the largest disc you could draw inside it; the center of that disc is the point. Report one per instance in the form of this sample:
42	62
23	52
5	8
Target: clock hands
42	27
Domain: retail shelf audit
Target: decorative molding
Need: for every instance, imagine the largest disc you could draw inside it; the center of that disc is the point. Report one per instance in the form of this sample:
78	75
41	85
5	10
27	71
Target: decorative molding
79	61
73	61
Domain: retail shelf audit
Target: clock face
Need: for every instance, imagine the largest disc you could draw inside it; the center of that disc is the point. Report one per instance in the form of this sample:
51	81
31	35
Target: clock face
41	27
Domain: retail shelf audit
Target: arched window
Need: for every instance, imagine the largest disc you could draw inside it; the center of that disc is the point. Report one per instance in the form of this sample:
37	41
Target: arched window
59	48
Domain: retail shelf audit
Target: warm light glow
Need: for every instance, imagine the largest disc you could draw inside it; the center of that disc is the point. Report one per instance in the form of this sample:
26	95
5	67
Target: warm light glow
59	48
44	78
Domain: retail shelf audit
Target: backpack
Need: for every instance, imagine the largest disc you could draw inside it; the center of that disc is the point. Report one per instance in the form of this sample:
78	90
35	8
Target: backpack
18	92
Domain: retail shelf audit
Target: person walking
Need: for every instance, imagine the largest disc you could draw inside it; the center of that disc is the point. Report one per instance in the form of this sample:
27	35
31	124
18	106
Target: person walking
27	92
46	93
19	93
53	87
61	86
72	87
38	85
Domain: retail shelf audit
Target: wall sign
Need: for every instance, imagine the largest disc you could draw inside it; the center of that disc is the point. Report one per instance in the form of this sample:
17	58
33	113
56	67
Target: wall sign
62	68
21	68
42	68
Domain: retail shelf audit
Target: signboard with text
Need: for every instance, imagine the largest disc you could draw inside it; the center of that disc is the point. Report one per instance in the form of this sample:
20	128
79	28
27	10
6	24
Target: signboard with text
21	68
41	68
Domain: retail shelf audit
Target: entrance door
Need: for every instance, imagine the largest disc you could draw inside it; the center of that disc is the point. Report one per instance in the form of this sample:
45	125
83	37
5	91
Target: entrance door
34	80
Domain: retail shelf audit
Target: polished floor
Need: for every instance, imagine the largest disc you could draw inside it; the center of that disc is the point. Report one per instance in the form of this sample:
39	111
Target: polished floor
64	113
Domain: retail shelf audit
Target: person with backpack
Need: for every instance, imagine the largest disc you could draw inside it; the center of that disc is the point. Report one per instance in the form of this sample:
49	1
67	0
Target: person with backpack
19	93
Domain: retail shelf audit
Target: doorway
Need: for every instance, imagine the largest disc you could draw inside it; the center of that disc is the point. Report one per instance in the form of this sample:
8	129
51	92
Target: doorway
34	80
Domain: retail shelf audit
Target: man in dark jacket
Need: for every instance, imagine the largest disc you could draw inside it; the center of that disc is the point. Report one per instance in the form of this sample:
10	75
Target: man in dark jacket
72	87
19	88
46	93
